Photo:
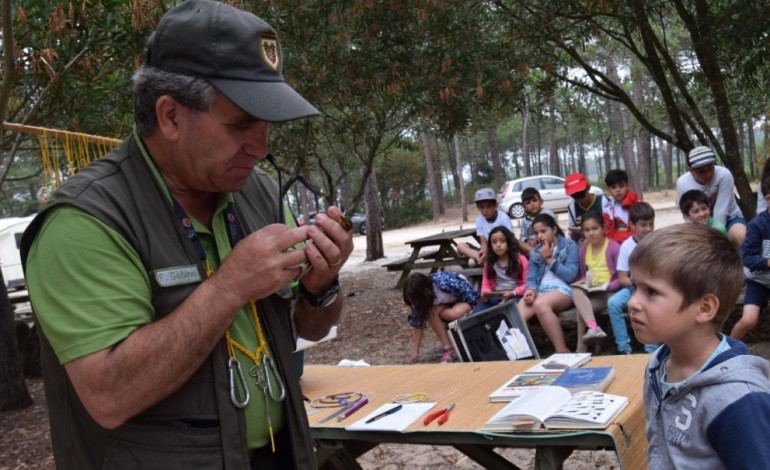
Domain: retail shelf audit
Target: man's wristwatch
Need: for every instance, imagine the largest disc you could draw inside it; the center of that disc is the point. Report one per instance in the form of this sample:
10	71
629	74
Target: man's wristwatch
322	299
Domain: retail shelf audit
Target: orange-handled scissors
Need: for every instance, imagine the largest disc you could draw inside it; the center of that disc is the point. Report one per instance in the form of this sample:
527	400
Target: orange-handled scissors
442	415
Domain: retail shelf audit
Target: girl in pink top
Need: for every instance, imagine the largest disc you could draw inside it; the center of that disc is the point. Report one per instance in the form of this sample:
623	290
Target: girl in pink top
505	270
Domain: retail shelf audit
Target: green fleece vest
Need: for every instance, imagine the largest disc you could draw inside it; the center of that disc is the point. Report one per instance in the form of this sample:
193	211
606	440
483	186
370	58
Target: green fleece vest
121	192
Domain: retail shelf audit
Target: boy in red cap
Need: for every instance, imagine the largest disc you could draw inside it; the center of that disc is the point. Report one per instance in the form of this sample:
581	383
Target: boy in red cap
577	187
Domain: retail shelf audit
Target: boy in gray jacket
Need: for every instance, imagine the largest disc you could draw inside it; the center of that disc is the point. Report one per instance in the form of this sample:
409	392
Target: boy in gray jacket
706	398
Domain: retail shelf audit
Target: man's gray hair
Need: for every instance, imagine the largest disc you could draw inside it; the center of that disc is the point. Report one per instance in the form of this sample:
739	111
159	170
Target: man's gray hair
150	83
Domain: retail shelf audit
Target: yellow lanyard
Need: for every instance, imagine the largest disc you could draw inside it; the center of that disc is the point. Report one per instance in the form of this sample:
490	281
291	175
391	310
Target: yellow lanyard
262	361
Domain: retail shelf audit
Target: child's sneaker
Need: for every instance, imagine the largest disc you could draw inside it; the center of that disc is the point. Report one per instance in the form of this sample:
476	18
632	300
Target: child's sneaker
593	336
447	357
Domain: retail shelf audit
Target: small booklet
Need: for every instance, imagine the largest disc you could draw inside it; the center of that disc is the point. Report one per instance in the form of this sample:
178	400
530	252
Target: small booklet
587	288
520	384
560	362
556	408
596	379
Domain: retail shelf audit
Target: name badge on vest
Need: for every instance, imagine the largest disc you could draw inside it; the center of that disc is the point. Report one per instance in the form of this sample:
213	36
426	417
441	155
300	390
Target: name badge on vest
177	276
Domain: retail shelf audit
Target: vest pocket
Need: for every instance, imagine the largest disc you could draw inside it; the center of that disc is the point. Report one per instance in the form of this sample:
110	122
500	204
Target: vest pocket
164	448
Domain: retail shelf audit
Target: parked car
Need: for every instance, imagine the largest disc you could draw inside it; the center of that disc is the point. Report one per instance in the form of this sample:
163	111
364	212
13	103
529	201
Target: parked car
551	189
358	220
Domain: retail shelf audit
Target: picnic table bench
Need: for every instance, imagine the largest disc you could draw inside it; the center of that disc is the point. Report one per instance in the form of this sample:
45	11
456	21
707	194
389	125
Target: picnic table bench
438	258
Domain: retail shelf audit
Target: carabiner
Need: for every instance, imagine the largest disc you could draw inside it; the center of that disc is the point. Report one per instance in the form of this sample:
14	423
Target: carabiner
269	361
233	389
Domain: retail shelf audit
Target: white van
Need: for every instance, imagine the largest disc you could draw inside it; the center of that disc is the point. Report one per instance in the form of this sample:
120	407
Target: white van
11	231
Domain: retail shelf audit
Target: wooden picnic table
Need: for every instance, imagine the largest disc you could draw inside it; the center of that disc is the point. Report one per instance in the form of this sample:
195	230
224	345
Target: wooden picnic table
468	385
444	254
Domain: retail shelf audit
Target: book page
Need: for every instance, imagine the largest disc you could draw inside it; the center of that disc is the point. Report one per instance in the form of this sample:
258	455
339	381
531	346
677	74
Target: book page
520	384
537	405
587	410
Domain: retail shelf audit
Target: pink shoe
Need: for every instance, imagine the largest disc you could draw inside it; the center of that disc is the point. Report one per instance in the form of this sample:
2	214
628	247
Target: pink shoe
447	357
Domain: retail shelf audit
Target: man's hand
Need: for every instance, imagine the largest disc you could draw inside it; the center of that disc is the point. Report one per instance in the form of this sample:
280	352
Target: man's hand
328	248
262	263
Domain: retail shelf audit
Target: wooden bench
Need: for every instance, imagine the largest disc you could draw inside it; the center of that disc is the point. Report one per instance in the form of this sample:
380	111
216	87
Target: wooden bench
400	264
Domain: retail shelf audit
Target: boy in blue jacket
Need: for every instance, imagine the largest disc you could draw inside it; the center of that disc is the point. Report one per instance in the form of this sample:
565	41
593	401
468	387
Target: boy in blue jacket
756	261
706	398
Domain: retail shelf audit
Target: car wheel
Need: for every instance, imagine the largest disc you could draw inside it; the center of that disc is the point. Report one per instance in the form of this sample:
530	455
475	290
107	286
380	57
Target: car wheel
516	211
362	228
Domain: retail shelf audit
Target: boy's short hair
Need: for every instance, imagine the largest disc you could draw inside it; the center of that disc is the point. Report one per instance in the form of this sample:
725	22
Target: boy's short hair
690	198
640	211
530	194
696	260
614	177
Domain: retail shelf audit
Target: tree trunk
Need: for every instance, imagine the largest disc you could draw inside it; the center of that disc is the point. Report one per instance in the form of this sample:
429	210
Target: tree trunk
13	389
553	151
494	155
452	159
374	247
459	165
525	141
432	180
572	160
439	176
668	165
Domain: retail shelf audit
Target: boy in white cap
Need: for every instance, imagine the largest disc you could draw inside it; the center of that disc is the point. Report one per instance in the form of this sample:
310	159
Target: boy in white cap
717	182
490	217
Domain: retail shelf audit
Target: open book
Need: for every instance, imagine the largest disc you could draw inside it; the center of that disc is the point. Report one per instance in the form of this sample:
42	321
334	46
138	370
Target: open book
556	408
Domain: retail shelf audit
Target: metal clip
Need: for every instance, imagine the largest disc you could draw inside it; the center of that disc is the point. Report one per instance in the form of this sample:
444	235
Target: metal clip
269	361
233	389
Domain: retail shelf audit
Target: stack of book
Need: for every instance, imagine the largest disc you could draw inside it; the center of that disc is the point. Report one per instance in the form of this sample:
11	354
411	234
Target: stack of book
557	393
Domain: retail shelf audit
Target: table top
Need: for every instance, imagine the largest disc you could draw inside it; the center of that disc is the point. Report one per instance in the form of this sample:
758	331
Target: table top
468	385
439	238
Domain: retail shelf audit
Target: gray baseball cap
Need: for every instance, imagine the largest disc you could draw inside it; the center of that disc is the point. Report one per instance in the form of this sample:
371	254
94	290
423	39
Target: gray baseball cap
485	194
235	50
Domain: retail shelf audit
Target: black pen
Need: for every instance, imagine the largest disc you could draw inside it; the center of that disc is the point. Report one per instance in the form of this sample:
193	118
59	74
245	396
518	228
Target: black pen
384	414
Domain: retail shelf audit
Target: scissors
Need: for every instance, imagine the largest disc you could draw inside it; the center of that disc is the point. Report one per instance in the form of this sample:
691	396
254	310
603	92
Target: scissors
442	415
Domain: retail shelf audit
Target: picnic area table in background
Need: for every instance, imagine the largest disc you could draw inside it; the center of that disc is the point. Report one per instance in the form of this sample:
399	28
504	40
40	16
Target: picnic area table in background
468	386
444	255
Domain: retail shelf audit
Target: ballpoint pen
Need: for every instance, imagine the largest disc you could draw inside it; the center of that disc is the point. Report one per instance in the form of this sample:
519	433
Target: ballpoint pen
384	414
353	408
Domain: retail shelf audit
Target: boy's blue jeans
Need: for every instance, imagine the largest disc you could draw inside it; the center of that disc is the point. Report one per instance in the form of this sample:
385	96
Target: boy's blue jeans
616	306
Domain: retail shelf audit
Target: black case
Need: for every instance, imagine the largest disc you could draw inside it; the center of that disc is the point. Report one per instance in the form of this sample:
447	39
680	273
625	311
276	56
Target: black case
475	339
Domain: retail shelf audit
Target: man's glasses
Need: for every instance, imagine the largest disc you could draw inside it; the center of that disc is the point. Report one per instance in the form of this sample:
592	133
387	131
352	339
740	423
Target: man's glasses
579	195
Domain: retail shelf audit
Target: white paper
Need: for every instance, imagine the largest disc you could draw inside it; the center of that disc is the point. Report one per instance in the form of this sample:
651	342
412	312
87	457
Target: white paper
398	421
352	363
513	341
505	339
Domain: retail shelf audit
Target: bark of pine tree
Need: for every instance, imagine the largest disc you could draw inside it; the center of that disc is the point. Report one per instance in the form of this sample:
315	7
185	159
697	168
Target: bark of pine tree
375	248
525	141
553	151
459	166
432	180
494	155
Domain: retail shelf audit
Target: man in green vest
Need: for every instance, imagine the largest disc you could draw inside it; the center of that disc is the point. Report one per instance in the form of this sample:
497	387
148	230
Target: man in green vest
160	274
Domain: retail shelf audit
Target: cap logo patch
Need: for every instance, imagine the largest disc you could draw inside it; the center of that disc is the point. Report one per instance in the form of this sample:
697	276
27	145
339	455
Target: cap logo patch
269	47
